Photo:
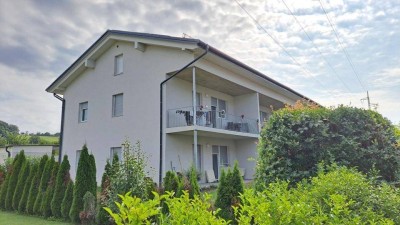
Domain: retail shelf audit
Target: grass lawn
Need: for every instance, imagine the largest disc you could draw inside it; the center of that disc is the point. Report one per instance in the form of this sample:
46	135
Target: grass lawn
50	139
12	218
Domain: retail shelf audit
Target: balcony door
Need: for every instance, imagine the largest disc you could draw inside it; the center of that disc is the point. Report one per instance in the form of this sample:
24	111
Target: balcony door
219	159
218	112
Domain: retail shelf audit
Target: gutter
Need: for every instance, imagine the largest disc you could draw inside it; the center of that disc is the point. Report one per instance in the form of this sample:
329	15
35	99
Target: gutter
62	125
204	46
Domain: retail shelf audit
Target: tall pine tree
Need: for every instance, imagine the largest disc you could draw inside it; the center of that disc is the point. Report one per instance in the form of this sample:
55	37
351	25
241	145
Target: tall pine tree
45	208
63	178
34	188
22	177
24	199
67	200
4	186
46	175
14	179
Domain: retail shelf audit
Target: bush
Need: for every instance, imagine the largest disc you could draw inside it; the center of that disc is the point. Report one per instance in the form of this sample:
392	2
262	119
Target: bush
340	196
25	194
102	215
67	200
172	183
296	139
62	180
194	185
4	187
229	189
85	181
22	177
12	185
44	180
88	214
34	188
45	208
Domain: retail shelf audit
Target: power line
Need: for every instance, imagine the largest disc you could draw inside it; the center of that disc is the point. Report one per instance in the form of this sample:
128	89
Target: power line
315	47
342	47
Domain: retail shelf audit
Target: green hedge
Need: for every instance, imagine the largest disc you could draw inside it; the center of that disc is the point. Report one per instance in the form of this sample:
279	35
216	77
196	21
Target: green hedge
62	180
33	190
296	139
34	166
67	200
12	185
45	207
22	177
46	175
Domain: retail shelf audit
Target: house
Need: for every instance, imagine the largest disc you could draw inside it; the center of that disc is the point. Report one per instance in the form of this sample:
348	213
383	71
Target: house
212	106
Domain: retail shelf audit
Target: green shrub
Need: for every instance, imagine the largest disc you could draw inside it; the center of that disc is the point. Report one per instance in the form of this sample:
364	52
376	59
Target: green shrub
44	180
87	216
22	178
62	180
296	139
171	183
4	187
340	196
12	185
194	185
45	208
25	194
85	181
34	188
102	215
229	189
67	200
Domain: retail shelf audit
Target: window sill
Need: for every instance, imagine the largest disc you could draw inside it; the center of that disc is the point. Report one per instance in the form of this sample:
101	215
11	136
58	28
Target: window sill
118	74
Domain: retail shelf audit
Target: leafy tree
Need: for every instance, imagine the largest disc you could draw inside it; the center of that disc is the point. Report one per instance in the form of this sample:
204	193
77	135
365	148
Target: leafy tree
22	178
44	180
7	128
63	178
85	181
296	139
34	139
17	166
25	194
67	200
45	207
34	188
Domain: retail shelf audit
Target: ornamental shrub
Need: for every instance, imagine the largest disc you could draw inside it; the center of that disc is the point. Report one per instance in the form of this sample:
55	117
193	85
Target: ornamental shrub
67	200
4	187
194	185
12	185
87	216
62	180
85	181
45	208
297	138
25	194
34	188
22	178
102	216
171	183
44	180
229	189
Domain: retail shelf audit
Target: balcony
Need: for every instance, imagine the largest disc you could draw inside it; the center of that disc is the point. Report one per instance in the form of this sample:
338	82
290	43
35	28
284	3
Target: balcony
208	118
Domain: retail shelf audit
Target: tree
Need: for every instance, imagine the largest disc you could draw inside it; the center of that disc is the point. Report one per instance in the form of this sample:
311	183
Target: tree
4	187
63	178
34	188
44	180
20	160
45	207
67	200
5	128
25	194
85	181
22	178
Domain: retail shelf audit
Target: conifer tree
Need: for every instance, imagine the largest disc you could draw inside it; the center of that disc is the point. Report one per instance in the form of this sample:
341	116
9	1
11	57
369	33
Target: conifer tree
22	177
46	175
85	181
14	179
34	188
63	178
45	208
24	198
4	186
67	200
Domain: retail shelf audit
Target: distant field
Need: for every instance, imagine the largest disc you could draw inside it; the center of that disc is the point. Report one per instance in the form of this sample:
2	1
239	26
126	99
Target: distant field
8	218
50	139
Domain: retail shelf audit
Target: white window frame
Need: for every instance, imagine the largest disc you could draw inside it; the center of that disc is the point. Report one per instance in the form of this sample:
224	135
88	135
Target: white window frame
114	112
112	152
118	64
83	110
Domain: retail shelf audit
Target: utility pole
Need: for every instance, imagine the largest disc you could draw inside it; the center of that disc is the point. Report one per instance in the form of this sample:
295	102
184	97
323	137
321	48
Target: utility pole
374	105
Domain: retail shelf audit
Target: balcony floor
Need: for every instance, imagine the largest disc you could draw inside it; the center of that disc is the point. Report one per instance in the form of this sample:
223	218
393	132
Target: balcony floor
210	132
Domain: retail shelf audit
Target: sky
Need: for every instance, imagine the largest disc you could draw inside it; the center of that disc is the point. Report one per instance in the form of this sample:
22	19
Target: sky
333	58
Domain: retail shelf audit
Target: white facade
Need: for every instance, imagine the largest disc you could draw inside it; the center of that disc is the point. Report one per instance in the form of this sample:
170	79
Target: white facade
90	84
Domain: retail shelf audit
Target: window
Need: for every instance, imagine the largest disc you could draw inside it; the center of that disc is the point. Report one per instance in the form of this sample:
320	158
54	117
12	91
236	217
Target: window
263	117
222	154
199	163
78	156
117	105
83	112
116	151
118	65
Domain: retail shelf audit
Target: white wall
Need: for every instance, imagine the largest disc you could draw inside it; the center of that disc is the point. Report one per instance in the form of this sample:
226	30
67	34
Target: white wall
32	150
143	73
246	154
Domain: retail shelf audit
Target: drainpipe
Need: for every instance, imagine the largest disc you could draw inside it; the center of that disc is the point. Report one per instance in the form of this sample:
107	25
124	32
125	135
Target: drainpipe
161	110
62	125
8	152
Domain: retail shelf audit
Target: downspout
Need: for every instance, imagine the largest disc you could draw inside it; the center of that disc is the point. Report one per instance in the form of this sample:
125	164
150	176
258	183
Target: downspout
161	110
62	125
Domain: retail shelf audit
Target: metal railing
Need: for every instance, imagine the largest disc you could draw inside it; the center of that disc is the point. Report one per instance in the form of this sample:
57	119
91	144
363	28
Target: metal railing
181	117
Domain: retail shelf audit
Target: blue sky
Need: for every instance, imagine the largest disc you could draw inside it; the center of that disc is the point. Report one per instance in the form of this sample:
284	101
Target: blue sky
40	39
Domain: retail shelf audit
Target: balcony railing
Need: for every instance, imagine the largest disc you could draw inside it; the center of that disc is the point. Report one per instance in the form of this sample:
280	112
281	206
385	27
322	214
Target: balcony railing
182	117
